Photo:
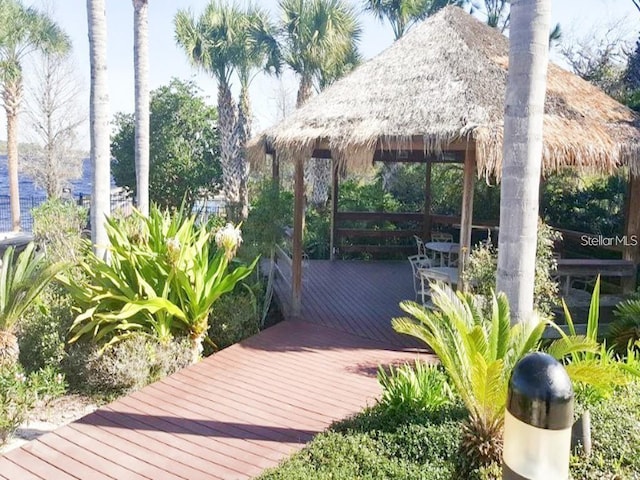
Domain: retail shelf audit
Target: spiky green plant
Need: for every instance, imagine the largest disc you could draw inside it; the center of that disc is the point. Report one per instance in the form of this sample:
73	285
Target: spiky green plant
22	278
595	370
478	354
419	386
162	279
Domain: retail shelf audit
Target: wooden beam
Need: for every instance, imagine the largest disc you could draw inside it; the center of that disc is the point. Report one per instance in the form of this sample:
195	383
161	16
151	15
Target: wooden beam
426	223
298	225
467	214
631	250
417	156
414	143
335	180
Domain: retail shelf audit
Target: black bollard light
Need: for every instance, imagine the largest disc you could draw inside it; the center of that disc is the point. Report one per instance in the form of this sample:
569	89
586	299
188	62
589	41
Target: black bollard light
538	420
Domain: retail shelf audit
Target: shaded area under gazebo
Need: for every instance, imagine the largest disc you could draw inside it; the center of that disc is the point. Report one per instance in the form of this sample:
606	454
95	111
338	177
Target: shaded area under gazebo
437	95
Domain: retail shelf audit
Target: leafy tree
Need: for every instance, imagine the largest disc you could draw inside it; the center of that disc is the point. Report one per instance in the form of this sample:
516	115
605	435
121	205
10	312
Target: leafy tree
24	30
184	146
632	78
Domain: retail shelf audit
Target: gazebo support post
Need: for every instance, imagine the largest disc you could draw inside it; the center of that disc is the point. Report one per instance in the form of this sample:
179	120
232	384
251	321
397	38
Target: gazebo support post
631	250
298	225
335	179
426	223
467	214
275	169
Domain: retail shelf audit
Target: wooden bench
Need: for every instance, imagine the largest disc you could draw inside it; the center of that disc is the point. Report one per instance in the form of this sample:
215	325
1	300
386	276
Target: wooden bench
591	267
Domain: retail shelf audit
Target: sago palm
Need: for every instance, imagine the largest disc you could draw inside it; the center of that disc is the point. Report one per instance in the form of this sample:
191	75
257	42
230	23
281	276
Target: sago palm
23	30
478	354
22	278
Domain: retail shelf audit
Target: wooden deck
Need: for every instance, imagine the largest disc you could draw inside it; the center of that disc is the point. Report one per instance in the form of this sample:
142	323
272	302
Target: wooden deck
251	405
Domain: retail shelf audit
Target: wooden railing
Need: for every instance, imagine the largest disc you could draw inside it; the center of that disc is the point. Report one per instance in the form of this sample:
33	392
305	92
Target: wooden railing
384	233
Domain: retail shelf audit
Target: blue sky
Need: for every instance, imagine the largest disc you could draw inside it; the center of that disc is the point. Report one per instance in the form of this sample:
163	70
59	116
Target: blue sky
167	61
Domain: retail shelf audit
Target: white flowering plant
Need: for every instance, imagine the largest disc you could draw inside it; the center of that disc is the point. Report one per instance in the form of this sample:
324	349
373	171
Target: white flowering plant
161	280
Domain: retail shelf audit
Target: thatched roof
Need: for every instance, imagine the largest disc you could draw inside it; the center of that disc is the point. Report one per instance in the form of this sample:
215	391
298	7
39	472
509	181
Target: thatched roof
443	82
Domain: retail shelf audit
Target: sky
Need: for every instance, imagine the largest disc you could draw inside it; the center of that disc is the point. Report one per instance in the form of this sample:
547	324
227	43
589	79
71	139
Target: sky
167	61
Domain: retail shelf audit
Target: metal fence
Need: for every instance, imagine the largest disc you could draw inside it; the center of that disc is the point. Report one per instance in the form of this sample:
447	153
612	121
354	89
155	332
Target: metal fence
120	201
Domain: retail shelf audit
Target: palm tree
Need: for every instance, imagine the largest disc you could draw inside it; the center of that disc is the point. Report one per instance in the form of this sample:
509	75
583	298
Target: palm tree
524	113
24	30
211	44
141	66
259	50
402	14
320	36
99	120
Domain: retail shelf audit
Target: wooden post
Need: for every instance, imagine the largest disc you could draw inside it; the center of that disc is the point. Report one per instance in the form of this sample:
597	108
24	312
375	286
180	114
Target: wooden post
335	179
298	226
467	214
275	168
426	223
631	250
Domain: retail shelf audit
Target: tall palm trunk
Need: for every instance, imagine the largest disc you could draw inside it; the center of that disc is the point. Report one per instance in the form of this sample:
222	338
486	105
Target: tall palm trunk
99	124
317	171
243	134
141	66
11	96
524	111
231	173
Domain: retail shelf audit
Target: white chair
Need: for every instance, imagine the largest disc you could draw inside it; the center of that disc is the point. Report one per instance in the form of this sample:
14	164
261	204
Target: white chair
427	278
420	244
418	262
441	237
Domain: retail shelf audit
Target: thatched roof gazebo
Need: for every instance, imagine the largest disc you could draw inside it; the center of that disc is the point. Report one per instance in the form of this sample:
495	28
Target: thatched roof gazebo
439	89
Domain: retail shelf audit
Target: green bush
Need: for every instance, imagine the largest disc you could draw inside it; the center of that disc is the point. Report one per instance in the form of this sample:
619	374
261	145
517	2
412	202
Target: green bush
615	436
419	386
19	392
125	366
57	227
234	318
42	332
483	264
271	211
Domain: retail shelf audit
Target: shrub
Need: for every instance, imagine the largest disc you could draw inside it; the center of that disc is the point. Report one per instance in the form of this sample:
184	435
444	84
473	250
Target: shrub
19	392
420	386
162	279
42	332
57	227
625	329
615	436
125	366
271	211
234	318
483	263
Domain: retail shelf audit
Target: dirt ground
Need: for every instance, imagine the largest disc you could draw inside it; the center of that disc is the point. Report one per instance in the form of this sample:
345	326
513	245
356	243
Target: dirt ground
44	418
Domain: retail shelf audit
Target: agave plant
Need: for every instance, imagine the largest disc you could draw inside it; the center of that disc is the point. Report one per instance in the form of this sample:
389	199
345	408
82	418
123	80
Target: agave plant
22	278
162	280
478	355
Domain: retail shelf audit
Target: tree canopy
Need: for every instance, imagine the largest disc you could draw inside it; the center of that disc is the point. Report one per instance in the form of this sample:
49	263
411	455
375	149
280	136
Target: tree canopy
184	147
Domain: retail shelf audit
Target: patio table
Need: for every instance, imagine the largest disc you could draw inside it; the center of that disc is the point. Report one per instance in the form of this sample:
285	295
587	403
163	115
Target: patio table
443	248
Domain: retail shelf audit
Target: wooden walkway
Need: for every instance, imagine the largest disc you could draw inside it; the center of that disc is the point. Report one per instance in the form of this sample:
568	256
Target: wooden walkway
245	408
